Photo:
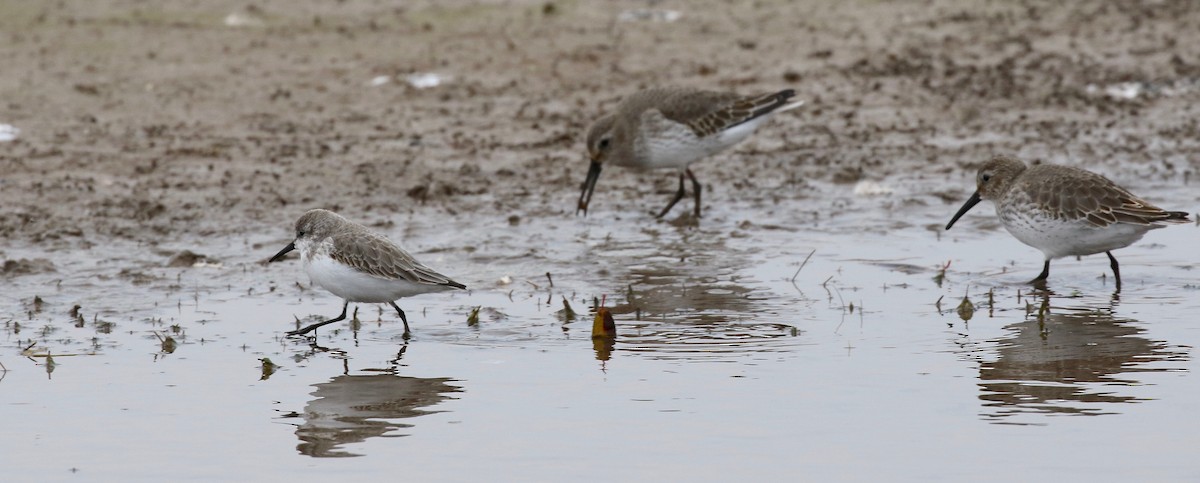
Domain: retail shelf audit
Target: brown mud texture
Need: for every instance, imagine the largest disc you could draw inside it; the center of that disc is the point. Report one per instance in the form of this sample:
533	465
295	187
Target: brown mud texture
159	121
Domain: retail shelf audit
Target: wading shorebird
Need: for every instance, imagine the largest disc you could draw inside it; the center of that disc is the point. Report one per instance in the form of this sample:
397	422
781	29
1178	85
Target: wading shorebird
672	128
1065	211
358	265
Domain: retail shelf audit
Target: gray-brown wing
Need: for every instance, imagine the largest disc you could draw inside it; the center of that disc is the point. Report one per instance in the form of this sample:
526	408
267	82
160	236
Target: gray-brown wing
742	110
377	256
1079	194
685	106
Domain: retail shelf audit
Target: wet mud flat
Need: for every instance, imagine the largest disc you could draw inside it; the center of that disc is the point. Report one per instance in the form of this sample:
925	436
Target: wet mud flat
162	151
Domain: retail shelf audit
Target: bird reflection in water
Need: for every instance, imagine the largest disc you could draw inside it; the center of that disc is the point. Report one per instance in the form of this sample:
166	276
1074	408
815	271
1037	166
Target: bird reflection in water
1068	362
351	408
689	295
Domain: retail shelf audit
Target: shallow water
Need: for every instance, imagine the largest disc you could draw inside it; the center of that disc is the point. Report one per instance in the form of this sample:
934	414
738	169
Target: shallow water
734	356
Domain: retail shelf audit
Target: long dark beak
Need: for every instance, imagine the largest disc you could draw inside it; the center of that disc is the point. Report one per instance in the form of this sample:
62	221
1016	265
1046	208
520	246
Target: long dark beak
290	246
971	202
589	186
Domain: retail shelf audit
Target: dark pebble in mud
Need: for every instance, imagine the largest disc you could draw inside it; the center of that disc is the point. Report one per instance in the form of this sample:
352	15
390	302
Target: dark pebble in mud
185	258
25	266
135	277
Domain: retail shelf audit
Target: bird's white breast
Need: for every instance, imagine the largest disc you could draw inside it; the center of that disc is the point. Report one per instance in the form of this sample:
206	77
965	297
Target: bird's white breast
355	286
1058	237
668	144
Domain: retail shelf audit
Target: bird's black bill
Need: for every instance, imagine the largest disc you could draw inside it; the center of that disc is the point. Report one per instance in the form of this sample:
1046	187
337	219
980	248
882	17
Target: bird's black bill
290	246
971	202
589	186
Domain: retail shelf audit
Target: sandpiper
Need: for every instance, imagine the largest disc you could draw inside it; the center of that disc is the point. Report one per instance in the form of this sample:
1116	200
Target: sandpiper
1065	211
358	265
672	128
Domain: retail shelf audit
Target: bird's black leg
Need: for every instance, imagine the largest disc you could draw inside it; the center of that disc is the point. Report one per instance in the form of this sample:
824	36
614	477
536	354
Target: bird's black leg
1116	269
402	317
678	196
695	188
1041	278
312	327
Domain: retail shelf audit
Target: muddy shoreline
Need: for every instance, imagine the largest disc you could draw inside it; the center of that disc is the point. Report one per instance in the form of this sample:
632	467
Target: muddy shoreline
170	126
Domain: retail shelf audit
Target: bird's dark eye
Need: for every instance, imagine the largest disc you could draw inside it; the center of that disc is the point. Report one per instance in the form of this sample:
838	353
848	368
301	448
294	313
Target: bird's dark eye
603	144
985	177
299	233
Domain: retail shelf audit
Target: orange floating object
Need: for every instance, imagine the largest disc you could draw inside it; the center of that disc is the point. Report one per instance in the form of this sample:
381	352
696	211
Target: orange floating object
603	325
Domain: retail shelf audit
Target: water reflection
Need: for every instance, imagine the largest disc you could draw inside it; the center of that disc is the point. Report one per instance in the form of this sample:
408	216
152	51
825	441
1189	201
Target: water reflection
689	272
1070	362
687	295
603	346
352	408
